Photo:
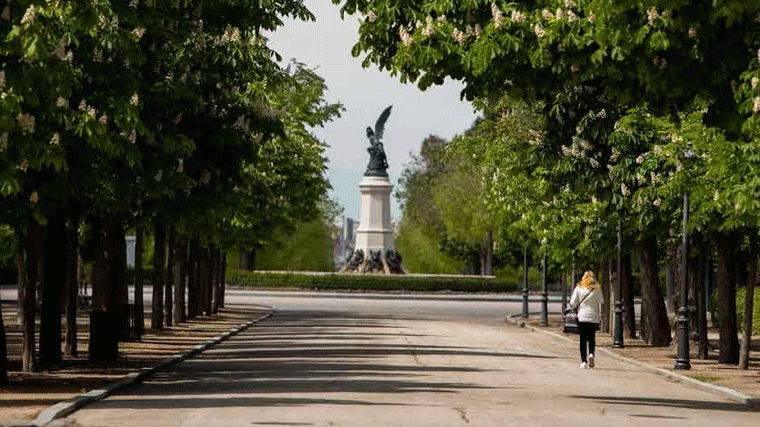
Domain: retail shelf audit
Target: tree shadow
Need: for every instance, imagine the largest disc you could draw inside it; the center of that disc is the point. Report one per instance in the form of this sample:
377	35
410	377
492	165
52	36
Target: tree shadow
704	405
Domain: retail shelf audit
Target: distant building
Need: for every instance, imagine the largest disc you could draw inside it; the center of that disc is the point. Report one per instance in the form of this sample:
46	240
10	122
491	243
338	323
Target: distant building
343	243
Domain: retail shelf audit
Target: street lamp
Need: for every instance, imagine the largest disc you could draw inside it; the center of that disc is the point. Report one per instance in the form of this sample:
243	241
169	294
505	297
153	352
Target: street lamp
682	355
525	283
544	297
617	341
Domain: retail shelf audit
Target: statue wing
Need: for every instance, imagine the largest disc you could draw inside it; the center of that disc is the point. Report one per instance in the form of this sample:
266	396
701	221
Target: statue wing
380	125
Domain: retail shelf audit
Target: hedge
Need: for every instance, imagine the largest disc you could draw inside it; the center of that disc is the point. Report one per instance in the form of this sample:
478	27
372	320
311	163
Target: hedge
741	295
370	282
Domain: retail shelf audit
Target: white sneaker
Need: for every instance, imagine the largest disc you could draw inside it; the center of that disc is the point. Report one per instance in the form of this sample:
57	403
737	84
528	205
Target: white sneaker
590	360
584	365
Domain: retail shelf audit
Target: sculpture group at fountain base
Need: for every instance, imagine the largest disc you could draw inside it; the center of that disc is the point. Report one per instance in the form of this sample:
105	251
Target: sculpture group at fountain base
375	262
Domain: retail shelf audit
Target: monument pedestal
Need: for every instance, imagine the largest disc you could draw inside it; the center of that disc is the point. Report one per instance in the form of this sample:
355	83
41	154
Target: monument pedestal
374	232
375	250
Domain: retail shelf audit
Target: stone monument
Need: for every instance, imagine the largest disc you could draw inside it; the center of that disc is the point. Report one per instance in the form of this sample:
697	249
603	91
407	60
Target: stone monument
375	250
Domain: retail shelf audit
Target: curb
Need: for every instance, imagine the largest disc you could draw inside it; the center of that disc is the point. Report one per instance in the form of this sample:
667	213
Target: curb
62	409
710	388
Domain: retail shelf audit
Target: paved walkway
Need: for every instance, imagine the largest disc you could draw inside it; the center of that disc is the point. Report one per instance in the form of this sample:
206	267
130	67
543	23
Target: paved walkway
327	369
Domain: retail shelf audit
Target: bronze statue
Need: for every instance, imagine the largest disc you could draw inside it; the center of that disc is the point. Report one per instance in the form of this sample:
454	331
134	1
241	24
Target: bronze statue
378	164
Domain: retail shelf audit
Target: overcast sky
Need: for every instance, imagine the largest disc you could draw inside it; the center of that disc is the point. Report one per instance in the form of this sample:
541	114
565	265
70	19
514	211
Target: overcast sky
325	45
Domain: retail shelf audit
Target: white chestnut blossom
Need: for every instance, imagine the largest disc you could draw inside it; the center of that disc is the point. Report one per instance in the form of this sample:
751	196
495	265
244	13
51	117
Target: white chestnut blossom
458	36
624	190
34	197
371	16
3	142
134	100
26	122
754	82
657	202
404	35
498	17
519	17
2	79
591	17
132	136
560	14
756	107
692	32
138	32
652	15
546	14
56	139
429	29
571	16
539	30
593	162
103	119
442	18
640	159
29	15
478	30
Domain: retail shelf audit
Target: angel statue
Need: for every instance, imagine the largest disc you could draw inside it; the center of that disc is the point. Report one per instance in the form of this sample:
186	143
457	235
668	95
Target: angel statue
378	164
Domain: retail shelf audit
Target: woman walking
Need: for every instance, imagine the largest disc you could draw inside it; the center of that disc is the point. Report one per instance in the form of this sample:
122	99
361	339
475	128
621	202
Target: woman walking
587	301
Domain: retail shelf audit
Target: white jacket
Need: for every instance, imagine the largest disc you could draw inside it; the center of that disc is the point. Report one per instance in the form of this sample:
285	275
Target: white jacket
590	309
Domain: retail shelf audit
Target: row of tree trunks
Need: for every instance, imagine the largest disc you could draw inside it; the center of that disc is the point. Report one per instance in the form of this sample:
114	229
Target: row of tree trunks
170	279
726	247
749	308
655	324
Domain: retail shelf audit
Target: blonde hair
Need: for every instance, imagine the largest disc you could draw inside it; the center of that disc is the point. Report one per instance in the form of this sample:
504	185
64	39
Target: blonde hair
589	281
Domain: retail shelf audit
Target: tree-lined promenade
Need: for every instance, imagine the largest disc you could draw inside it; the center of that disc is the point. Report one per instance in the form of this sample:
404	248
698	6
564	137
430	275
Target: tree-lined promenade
169	118
597	113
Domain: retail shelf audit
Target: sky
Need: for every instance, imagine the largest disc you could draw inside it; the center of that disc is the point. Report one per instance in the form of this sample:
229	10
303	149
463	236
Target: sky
325	46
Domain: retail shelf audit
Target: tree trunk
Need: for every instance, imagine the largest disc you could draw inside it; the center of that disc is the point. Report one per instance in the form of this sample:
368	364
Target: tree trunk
179	282
34	245
215	255
702	347
671	267
488	264
159	266
139	298
53	282
748	309
193	279
654	308
169	285
108	317
72	286
694	295
3	352
605	325
207	279
729	342
223	286
629	310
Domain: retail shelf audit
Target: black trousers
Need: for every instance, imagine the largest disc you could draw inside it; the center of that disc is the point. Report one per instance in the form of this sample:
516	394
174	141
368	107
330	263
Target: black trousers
587	330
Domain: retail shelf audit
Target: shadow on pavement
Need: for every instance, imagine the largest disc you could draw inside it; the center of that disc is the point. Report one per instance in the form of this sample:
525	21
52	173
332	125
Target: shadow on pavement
673	403
300	355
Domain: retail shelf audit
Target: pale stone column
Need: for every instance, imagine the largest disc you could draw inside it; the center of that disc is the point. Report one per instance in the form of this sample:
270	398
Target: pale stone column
374	232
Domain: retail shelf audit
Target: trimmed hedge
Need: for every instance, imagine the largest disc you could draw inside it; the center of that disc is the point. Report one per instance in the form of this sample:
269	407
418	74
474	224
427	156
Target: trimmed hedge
368	282
741	295
741	298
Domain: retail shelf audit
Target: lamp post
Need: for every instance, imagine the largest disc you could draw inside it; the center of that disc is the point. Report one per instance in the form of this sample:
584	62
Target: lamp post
682	355
617	341
544	296
525	283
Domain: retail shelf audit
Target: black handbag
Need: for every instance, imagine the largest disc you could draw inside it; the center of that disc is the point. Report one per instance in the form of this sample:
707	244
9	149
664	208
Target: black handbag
571	317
